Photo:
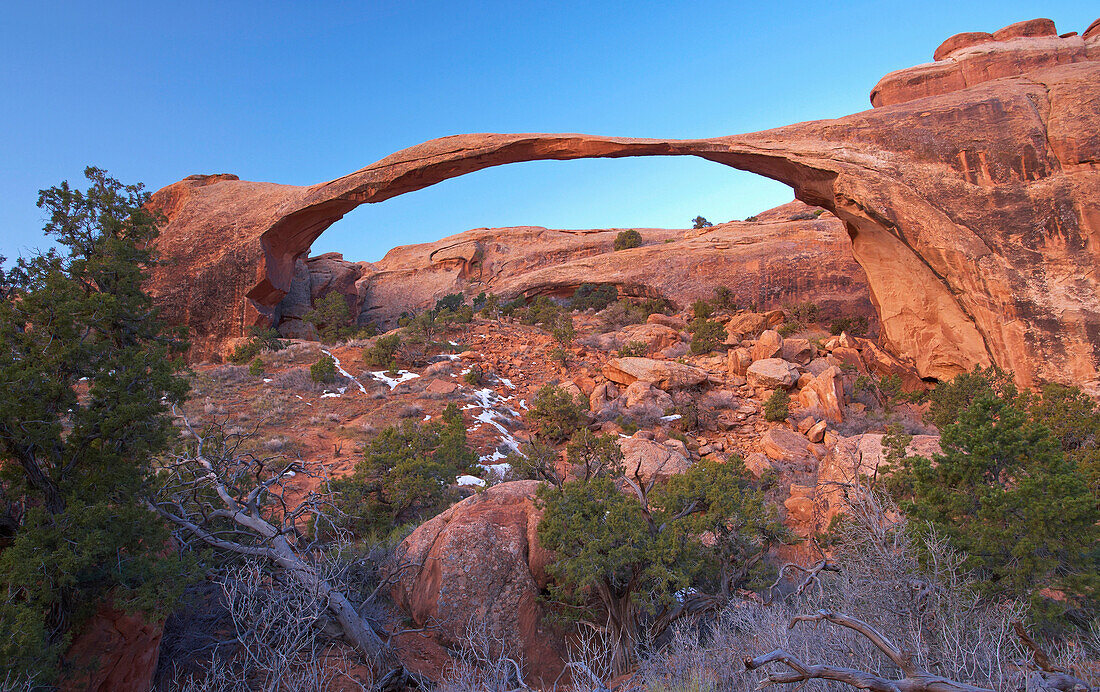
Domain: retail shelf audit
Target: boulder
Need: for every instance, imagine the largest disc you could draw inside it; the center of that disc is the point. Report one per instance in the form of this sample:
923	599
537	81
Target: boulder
441	387
772	373
113	652
781	444
799	351
602	395
824	396
656	337
747	324
661	373
816	432
670	321
769	345
758	464
642	393
738	361
850	457
480	564
648	460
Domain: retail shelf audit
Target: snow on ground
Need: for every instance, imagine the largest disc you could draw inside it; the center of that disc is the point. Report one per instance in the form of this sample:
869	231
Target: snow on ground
345	373
674	416
402	376
469	480
494	412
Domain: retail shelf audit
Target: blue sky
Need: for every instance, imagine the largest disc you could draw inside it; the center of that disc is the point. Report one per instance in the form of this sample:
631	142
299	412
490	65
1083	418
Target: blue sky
301	92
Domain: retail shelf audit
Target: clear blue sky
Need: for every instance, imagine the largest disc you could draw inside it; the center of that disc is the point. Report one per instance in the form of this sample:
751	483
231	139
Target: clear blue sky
301	92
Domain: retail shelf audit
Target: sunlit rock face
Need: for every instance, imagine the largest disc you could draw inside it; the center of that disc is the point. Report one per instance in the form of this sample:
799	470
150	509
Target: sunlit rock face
972	203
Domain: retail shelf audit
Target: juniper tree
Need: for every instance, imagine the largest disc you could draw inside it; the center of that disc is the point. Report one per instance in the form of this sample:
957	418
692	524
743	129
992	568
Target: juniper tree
88	372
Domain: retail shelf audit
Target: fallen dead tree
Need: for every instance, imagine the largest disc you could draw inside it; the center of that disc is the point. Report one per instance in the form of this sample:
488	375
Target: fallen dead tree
217	492
915	680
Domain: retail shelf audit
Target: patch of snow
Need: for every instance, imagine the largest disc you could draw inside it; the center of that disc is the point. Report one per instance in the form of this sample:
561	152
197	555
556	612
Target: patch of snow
507	383
452	343
523	404
427	418
470	480
402	376
345	373
267	379
674	416
299	396
331	395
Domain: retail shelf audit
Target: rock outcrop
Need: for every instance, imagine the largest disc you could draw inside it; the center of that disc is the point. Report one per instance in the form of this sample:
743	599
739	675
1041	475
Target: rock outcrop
971	195
113	652
479	567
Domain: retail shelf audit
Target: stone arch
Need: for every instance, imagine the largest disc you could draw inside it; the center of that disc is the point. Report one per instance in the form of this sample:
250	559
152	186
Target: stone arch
940	197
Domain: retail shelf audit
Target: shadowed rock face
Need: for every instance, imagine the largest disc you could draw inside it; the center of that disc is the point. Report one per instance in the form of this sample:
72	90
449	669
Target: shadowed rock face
974	209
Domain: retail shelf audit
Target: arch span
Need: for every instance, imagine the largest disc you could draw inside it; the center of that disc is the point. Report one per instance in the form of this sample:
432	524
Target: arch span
974	220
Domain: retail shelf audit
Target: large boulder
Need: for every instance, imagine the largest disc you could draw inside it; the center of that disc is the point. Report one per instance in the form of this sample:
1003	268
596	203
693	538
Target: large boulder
769	345
824	396
660	373
772	373
480	564
745	325
647	460
859	455
114	652
642	393
787	446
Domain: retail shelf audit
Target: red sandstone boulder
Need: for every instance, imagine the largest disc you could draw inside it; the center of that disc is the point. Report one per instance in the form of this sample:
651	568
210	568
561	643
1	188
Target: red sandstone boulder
114	652
824	396
480	563
772	373
660	373
768	345
647	460
787	446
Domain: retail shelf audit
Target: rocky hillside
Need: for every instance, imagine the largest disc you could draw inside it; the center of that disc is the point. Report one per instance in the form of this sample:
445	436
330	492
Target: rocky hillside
787	255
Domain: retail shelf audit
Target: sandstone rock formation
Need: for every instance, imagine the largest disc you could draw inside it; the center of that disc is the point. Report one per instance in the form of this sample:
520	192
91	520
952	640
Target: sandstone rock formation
479	564
114	652
971	196
660	373
647	460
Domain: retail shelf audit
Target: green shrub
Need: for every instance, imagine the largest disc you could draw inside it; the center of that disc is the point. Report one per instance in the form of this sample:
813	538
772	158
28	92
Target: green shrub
724	298
596	296
627	239
701	310
777	407
382	352
331	317
700	222
405	475
856	326
635	349
451	302
556	414
750	218
788	328
324	370
1004	493
261	340
561	328
244	352
706	335
806	312
474	375
256	367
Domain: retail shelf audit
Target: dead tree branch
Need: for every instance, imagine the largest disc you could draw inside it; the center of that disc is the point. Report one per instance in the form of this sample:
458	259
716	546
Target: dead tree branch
1049	676
915	680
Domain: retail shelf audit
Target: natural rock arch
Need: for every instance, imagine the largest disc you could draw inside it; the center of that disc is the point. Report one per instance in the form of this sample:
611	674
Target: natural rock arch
974	210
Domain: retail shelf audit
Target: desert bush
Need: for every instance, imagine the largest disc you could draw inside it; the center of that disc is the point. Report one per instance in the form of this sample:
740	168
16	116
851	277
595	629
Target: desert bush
635	349
701	310
777	407
474	376
627	239
724	298
621	556
706	335
296	379
556	414
405	475
227	374
383	351
856	326
324	370
595	296
451	302
256	367
331	316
